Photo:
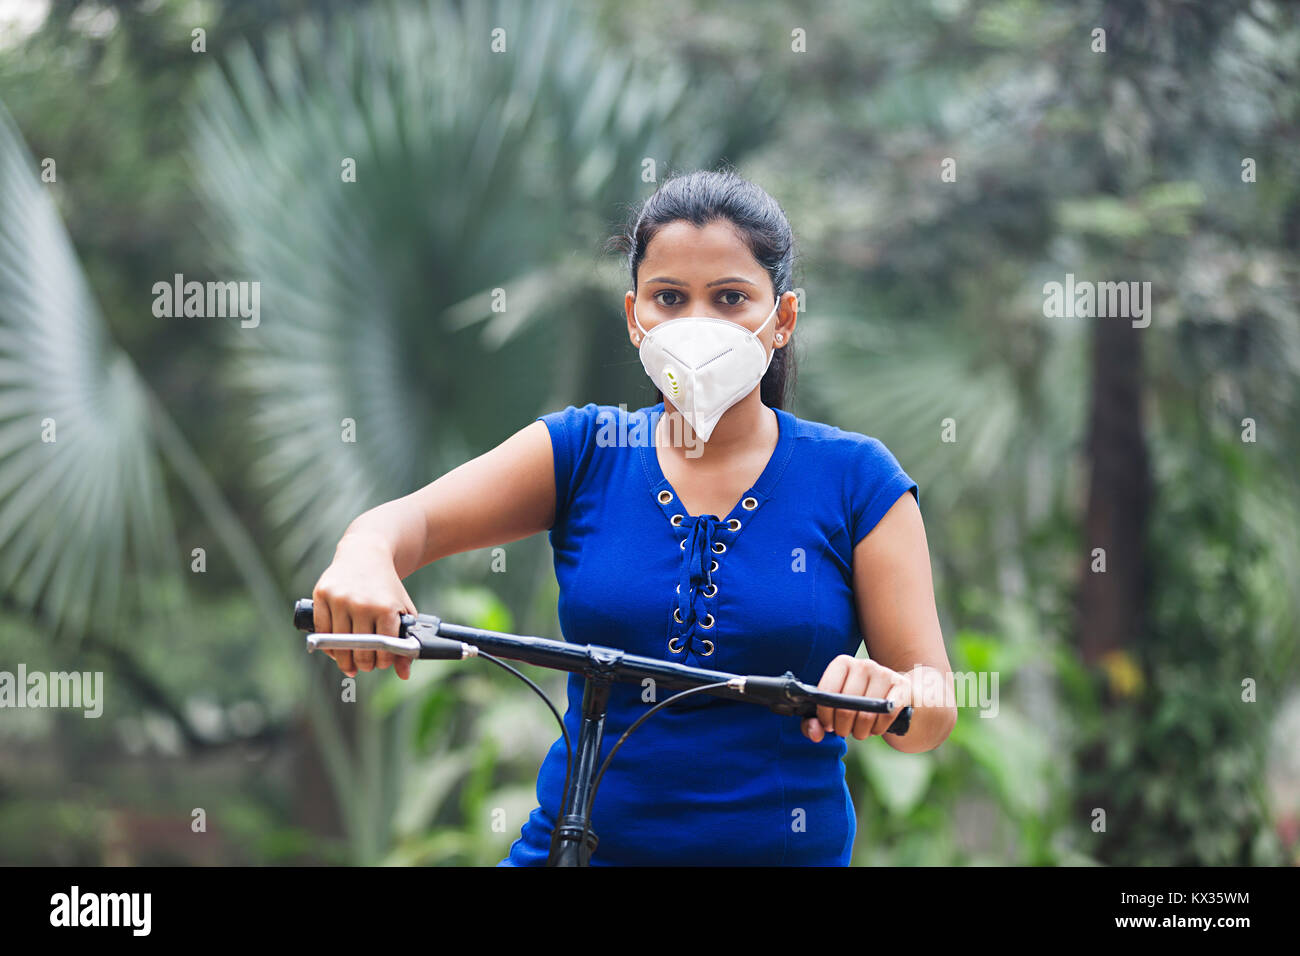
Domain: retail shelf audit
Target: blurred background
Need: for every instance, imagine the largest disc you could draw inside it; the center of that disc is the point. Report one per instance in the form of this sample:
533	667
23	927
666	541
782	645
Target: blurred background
940	161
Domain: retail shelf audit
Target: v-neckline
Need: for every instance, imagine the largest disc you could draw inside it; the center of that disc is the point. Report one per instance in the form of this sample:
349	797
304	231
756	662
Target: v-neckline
757	493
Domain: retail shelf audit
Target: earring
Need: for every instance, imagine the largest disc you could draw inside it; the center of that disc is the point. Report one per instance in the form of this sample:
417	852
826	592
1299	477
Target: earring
780	336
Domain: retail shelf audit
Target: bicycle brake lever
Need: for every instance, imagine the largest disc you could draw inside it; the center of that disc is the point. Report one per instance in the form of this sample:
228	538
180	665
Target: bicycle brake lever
417	637
403	646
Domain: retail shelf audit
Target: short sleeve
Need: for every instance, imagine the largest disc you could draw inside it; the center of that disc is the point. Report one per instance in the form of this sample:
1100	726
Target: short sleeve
878	482
573	439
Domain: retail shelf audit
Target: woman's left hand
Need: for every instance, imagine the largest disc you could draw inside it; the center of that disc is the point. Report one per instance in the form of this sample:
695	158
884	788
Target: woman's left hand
860	677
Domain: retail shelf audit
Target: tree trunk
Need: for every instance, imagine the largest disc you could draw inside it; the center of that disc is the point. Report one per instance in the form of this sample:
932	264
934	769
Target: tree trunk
1112	604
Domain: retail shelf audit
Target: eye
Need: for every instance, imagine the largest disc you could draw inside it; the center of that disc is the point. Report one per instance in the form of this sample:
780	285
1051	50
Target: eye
677	300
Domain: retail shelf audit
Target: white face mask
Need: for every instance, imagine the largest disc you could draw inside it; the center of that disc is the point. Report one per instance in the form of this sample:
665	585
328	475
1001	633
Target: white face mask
704	365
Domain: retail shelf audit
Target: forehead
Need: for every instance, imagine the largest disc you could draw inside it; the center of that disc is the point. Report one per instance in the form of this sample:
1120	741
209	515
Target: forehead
687	251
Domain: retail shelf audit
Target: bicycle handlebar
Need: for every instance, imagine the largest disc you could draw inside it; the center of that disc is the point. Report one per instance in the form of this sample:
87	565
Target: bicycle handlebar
427	637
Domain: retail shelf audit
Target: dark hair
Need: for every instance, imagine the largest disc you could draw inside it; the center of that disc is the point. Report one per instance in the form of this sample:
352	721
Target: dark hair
705	196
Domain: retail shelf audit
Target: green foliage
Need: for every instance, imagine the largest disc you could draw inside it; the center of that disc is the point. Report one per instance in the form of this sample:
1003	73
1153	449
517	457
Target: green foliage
1199	797
80	494
475	173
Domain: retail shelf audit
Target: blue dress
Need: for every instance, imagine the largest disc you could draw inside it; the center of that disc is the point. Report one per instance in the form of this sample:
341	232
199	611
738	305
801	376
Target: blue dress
761	590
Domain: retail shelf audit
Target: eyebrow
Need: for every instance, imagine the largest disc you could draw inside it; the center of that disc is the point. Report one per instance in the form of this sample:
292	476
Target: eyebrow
673	281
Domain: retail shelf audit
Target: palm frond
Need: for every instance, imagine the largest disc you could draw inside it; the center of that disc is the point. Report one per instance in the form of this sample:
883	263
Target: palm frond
81	499
474	171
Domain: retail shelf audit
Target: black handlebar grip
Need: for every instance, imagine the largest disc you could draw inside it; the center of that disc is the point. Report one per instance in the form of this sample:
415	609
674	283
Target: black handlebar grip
898	728
304	616
904	720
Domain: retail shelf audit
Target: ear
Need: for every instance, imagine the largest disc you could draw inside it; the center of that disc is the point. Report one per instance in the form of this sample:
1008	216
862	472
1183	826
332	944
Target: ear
633	333
787	314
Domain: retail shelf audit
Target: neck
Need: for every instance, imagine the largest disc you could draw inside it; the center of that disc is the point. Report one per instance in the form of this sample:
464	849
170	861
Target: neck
736	430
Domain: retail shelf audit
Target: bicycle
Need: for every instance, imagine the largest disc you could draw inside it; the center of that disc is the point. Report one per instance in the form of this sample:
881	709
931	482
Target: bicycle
428	637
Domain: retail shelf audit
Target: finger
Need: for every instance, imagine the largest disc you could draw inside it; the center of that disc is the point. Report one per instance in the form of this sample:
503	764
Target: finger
901	695
390	623
365	660
346	664
878	686
813	729
887	720
320	613
403	666
347	660
320	619
832	680
855	685
364	624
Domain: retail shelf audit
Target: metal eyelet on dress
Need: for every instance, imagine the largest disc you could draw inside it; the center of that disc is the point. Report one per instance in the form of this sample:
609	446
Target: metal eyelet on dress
675	650
683	544
713	568
676	521
707	592
665	496
719	547
733	524
677	615
749	504
709	619
709	651
679	589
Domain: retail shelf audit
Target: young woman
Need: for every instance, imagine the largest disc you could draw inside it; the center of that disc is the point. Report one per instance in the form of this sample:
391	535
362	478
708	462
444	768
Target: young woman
726	533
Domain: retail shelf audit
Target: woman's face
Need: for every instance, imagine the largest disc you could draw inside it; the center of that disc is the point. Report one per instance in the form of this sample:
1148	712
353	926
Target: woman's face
706	270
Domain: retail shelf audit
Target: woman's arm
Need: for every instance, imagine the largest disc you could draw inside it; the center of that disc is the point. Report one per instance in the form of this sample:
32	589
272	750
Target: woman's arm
503	495
894	591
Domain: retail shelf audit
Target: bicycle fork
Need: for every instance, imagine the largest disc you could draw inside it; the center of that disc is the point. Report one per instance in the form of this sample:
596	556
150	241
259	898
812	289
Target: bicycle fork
567	846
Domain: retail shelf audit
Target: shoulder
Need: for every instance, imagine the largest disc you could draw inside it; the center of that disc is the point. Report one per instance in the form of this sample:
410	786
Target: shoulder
851	449
865	473
596	425
573	414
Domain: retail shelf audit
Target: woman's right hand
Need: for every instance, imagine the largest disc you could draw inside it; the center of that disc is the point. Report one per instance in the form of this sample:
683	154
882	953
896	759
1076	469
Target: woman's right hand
361	593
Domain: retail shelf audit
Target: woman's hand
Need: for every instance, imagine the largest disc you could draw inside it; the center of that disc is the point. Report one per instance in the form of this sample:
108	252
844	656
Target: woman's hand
361	593
860	677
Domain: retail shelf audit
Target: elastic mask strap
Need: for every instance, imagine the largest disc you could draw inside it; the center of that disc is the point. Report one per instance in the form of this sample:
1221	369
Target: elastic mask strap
771	355
775	305
638	321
